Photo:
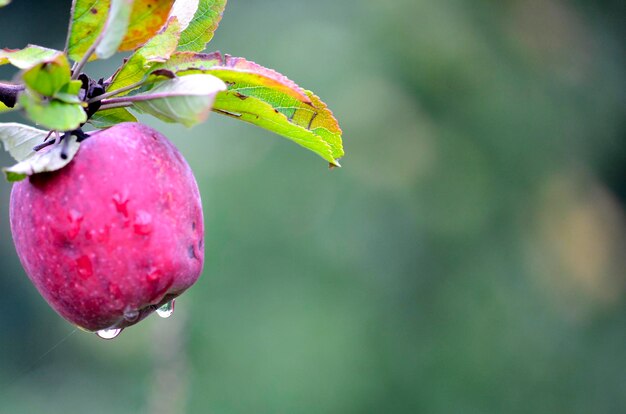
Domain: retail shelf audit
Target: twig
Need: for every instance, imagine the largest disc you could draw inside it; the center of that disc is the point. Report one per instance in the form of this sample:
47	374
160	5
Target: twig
115	105
43	145
115	92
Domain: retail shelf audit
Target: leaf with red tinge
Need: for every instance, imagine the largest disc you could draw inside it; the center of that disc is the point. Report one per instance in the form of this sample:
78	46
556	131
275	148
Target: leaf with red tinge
146	19
249	81
183	63
267	99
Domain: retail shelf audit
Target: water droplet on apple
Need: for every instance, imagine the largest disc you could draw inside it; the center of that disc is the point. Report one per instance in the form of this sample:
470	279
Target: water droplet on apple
143	223
84	267
108	333
75	219
153	275
121	203
166	310
131	315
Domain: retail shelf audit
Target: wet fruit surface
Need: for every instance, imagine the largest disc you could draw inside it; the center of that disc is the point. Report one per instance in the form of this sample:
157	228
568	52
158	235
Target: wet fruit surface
117	232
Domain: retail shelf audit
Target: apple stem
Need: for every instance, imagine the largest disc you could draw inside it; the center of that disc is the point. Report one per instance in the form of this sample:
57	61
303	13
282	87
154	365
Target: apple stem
8	93
66	144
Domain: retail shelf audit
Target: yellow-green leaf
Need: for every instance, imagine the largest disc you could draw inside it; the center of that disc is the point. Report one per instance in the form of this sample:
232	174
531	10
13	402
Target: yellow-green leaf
4	108
114	29
146	19
139	65
262	114
27	57
87	20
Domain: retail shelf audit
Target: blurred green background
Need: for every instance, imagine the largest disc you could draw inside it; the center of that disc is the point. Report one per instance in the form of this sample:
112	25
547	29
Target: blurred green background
469	257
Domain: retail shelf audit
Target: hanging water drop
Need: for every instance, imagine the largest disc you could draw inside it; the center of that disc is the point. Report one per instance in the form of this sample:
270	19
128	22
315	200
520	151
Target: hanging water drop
108	333
166	310
131	315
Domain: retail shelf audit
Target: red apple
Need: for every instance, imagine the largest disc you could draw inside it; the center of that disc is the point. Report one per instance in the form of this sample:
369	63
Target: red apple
116	233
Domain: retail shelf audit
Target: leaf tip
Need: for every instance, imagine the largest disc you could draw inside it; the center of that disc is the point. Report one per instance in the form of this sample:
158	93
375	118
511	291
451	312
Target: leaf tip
334	164
13	177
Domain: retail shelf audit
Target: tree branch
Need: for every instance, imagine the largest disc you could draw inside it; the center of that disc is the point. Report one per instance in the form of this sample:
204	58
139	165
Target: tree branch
8	93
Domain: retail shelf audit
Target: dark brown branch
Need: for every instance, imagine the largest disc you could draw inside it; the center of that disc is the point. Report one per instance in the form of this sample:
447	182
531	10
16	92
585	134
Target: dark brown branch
8	93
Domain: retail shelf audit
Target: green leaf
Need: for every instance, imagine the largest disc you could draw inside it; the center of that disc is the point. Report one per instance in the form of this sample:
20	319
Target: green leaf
200	29
48	77
115	28
109	117
185	100
69	92
49	159
27	57
86	23
139	65
19	139
4	3
53	114
51	97
146	19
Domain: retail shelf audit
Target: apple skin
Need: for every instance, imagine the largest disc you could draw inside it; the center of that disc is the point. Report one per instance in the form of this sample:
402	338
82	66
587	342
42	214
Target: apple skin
118	231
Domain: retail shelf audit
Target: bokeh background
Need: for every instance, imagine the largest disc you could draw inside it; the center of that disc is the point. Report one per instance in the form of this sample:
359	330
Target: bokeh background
470	256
